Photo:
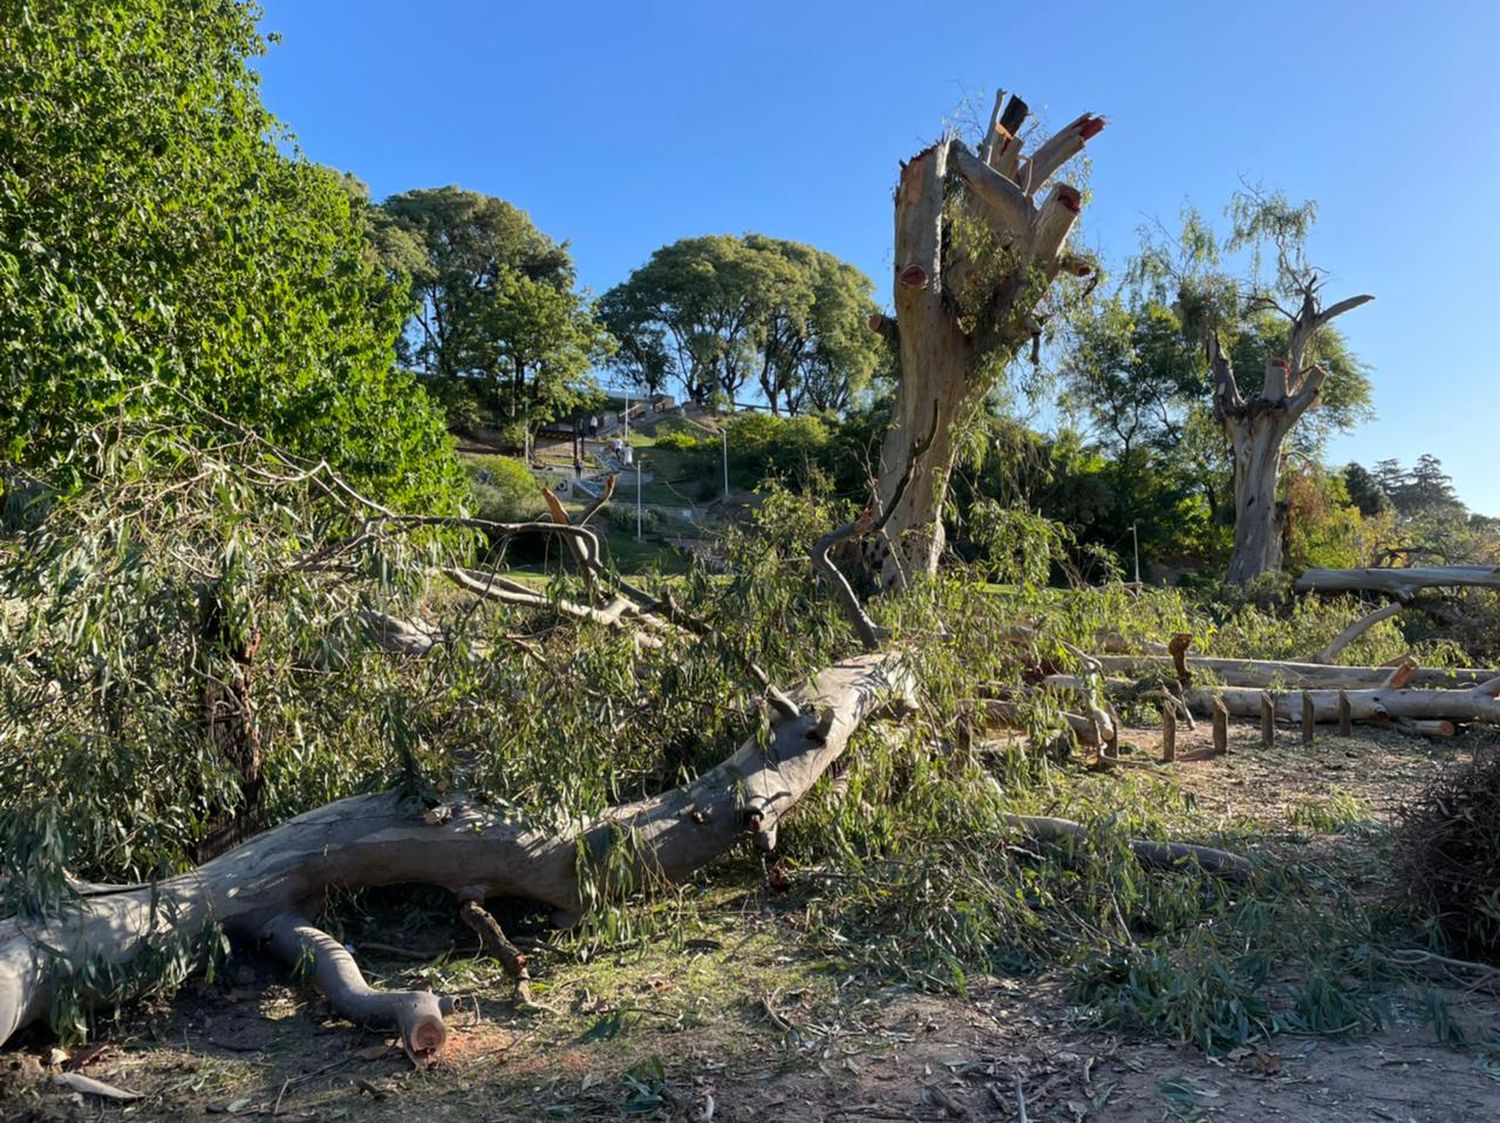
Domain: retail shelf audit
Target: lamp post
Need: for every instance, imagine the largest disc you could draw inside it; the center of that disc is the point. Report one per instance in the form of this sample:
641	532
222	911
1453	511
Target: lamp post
637	498
725	433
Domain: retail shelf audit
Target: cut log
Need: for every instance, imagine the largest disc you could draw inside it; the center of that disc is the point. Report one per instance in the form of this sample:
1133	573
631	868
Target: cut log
1265	673
1477	703
262	889
1401	583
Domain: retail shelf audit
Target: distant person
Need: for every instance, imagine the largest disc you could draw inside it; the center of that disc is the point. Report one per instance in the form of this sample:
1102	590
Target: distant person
578	467
627	455
593	426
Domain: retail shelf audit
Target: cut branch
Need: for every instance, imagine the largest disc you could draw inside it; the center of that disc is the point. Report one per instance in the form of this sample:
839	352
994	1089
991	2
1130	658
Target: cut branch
1158	855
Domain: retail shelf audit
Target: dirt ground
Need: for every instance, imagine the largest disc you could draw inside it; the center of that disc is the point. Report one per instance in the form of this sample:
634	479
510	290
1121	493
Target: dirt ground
742	1026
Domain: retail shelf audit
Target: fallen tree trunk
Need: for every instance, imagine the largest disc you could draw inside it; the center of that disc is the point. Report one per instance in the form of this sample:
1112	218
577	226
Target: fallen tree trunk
1401	583
265	888
1477	703
1292	675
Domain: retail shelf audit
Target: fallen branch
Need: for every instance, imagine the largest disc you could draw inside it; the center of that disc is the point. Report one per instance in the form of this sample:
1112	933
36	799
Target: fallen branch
262	888
1157	855
1355	630
1478	703
1265	673
1400	583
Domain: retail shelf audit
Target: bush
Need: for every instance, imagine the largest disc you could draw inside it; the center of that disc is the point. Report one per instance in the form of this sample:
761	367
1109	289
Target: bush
789	448
504	489
1448	858
681	442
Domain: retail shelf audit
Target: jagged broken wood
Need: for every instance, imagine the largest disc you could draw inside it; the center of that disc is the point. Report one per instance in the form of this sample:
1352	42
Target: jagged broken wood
974	253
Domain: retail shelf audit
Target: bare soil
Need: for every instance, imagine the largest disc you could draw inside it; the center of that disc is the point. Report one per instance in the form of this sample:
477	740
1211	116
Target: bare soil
742	1026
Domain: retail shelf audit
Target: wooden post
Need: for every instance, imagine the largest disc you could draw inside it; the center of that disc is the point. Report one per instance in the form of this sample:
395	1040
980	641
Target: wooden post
1221	727
1168	734
1309	718
1346	717
1267	720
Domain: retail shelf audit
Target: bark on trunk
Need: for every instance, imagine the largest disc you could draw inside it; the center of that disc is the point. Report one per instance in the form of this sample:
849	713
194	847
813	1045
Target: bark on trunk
1257	429
266	888
1262	673
1477	703
1399	583
964	304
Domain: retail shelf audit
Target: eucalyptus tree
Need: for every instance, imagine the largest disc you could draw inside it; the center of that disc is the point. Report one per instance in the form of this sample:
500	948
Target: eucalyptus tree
713	313
495	302
1270	350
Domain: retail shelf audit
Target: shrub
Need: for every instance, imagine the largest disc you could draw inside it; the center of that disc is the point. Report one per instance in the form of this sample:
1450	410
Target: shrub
504	489
1448	858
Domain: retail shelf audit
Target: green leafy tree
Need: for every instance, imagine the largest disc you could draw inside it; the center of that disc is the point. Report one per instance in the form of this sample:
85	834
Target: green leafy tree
496	314
160	255
711	313
1270	349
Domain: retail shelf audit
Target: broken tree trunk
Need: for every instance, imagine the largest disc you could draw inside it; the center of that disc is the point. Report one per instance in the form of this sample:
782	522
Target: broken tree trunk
1399	583
974	254
1258	428
267	887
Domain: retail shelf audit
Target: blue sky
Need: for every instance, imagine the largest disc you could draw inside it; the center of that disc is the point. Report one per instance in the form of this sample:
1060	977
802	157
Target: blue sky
624	126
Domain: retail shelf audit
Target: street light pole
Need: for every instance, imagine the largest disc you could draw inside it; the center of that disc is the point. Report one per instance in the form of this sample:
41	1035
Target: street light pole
637	498
1135	541
725	432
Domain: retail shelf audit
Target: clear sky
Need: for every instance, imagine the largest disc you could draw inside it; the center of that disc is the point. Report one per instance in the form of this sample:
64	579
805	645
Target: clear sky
621	126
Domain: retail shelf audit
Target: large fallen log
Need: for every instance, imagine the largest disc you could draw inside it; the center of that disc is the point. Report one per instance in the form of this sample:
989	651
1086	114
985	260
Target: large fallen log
266	888
1264	673
1477	703
1402	583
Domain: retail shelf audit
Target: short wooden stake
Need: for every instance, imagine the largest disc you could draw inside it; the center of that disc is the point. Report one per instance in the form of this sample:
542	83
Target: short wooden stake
1168	734
1267	720
1309	718
1346	716
1221	726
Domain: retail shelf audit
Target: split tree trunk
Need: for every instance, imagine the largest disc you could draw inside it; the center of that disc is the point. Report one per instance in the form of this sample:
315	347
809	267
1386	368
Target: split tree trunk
974	253
1257	430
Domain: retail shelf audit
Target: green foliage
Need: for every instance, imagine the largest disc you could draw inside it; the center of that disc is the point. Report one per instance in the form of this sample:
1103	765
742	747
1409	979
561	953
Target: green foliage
505	490
157	248
497	324
710	313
